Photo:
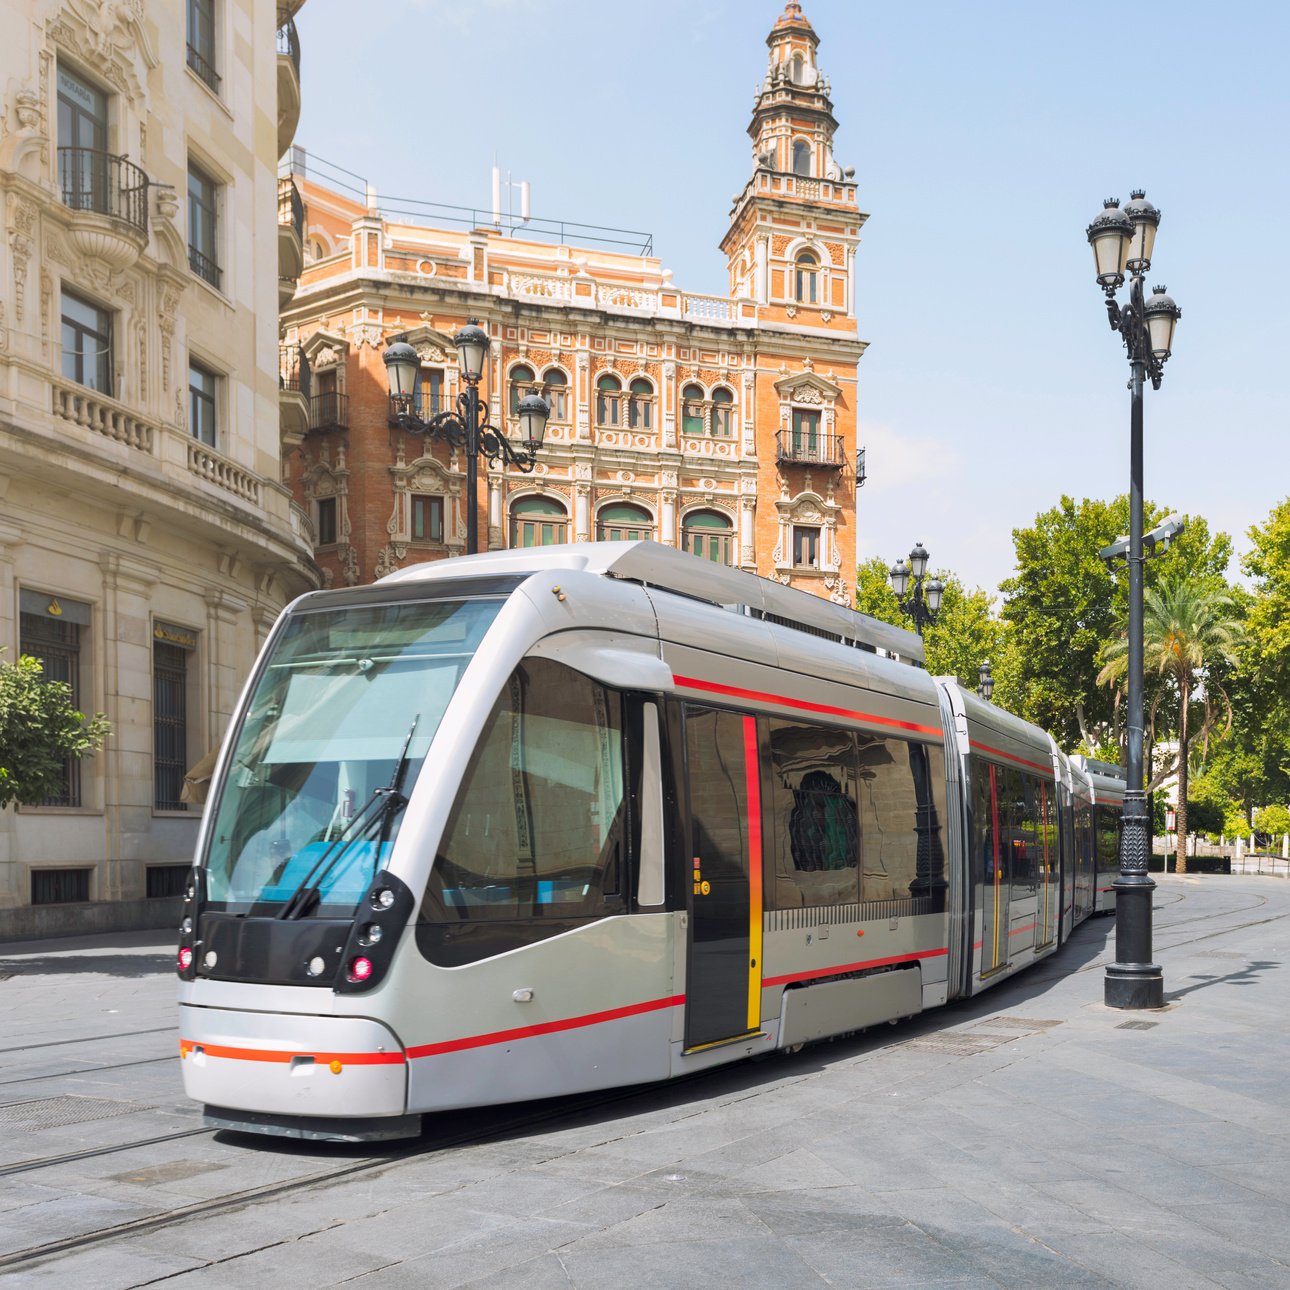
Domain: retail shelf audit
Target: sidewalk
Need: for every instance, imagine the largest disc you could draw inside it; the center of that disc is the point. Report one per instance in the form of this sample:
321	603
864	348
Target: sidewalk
1031	1138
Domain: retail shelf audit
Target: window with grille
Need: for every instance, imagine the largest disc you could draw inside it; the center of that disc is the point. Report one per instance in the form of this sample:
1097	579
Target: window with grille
59	886
201	41
169	721
203	225
166	880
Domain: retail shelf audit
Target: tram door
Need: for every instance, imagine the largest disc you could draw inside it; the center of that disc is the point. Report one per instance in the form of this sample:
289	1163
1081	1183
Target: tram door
723	977
1047	896
994	858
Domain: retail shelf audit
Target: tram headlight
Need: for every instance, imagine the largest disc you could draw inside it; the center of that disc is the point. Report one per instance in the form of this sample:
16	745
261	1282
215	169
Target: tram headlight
370	934
185	959
382	898
360	969
186	927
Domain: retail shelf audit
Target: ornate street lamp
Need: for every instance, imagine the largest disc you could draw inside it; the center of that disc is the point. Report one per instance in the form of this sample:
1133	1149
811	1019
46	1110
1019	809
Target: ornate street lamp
924	602
1123	239
466	428
985	681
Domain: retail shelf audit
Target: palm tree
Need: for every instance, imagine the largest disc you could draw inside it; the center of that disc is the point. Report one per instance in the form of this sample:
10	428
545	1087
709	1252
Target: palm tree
1187	627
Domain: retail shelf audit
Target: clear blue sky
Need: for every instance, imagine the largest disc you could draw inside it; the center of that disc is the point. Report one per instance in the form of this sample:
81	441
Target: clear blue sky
984	136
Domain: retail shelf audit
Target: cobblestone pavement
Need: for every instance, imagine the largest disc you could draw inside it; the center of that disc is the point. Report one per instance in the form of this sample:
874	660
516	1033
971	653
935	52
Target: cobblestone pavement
1030	1138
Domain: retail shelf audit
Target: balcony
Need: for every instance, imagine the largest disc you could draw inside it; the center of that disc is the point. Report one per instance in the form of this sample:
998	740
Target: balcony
109	198
288	84
802	448
294	390
423	404
329	411
291	239
201	64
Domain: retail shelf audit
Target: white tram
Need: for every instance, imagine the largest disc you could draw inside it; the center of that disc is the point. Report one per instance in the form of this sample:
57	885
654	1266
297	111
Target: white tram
551	820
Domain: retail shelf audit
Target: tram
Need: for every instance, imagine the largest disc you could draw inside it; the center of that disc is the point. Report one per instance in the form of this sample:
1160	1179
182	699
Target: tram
551	820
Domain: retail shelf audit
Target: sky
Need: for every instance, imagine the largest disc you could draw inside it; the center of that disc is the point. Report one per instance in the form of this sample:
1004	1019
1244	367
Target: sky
984	136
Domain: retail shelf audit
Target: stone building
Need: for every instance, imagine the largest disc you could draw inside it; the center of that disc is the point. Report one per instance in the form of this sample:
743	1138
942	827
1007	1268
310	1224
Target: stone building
147	541
725	425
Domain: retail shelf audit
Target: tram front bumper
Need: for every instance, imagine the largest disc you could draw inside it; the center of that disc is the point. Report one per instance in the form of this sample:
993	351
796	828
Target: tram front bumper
292	1064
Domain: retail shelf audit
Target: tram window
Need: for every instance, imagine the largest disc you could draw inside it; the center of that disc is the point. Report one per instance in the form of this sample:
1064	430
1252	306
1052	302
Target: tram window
1107	820
538	830
889	802
816	820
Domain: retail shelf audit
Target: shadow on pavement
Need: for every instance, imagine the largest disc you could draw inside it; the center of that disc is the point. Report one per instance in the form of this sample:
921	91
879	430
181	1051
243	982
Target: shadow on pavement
122	965
1246	976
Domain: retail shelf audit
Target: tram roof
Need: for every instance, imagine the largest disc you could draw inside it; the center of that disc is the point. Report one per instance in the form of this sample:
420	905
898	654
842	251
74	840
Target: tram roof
654	565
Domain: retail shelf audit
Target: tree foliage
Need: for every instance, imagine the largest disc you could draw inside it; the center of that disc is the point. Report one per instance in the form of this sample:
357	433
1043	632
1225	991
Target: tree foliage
40	729
1188	627
1062	605
965	634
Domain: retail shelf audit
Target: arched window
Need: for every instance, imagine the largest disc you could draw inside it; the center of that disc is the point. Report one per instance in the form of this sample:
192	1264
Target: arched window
801	157
709	535
521	384
795	70
806	277
723	404
692	410
538	521
556	385
640	405
624	522
609	397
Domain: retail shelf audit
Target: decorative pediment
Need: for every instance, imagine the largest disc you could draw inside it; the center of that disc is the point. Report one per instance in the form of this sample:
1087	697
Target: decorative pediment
325	349
109	35
807	387
433	347
424	475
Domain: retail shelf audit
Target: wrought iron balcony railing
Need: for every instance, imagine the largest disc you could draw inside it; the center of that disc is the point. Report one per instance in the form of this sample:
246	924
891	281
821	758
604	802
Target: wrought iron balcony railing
204	68
293	370
807	449
108	185
291	206
424	404
204	267
329	411
289	43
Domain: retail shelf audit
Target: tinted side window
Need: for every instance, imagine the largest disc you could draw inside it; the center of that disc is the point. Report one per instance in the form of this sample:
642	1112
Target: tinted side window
538	833
816	820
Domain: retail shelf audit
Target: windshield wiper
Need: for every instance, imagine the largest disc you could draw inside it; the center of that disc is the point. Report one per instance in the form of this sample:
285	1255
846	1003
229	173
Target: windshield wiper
376	817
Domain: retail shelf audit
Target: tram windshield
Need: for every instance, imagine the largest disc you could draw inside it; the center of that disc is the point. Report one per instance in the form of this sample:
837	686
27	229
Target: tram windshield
345	710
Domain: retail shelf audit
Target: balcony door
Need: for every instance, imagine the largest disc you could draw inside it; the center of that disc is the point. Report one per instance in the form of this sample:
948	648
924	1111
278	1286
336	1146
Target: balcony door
82	142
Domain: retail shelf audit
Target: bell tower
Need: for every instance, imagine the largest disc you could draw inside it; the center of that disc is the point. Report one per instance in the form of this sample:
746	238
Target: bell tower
795	227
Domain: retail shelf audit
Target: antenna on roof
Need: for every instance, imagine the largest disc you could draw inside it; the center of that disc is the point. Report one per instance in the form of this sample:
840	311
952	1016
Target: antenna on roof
511	185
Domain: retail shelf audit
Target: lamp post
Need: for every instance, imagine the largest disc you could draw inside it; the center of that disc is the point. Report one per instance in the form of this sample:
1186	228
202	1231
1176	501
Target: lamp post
466	428
1123	239
985	681
923	603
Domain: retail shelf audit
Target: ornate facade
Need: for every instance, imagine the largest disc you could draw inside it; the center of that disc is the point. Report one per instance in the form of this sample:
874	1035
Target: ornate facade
722	424
147	540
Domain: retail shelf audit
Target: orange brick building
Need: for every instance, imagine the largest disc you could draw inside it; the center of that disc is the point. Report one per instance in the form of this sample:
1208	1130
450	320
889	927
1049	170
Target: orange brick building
724	425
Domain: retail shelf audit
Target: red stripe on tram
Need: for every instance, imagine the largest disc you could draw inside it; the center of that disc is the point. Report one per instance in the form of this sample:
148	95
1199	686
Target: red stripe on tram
801	705
286	1056
543	1028
1007	756
793	977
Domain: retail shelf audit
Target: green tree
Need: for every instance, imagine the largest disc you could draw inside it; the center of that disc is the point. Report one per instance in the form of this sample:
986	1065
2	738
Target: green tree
39	730
1062	605
1188	628
965	634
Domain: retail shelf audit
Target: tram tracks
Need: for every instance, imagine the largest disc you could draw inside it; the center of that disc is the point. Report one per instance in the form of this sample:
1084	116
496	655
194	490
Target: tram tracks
214	1206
